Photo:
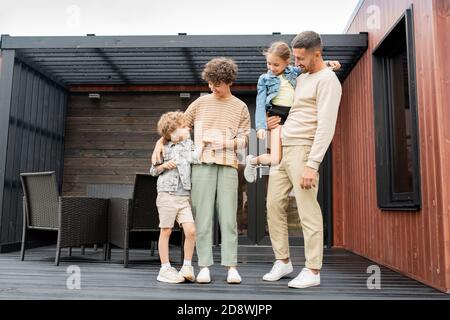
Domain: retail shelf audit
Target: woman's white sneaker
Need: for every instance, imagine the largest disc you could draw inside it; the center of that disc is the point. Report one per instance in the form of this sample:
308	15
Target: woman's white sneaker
233	276
169	275
250	172
204	276
279	271
305	279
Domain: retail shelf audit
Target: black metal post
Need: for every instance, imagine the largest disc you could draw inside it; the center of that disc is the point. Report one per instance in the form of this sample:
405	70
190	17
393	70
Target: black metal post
6	84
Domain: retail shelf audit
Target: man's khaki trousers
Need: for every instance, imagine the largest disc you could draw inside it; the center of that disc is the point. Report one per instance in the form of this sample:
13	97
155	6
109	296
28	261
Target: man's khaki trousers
283	179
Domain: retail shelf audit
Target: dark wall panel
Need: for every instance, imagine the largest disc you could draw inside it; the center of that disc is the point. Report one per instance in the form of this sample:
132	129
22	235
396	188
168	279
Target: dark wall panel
35	141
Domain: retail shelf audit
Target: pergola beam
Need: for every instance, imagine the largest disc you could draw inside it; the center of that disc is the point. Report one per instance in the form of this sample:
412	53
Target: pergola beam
182	41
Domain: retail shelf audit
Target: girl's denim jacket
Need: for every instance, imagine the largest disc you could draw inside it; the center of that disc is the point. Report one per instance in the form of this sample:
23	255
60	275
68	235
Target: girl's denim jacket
268	88
184	154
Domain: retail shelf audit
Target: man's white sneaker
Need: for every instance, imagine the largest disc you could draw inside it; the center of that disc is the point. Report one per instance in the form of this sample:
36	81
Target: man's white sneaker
187	272
305	279
250	172
279	271
204	276
169	275
233	276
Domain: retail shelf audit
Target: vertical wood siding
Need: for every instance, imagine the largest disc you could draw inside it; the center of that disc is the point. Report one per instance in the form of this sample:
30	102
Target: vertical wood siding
414	243
442	39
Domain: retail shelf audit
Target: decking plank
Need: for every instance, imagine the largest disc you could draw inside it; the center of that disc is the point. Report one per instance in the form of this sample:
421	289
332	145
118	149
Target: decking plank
343	277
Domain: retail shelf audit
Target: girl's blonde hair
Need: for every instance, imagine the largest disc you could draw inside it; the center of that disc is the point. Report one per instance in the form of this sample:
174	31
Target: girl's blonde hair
280	49
170	122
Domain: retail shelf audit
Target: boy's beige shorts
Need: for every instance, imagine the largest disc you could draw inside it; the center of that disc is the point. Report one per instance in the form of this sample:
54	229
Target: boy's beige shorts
173	208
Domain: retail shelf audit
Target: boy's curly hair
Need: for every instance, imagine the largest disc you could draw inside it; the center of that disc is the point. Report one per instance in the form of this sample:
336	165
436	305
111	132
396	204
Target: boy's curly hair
220	70
169	122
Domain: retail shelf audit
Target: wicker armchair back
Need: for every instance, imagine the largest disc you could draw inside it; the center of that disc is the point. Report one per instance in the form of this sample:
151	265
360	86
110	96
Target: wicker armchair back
145	212
40	200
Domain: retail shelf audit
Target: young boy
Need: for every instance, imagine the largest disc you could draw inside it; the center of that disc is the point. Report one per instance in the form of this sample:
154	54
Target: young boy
173	202
223	121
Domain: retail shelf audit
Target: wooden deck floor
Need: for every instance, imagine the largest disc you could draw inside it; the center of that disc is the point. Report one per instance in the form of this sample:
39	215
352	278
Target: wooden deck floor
343	277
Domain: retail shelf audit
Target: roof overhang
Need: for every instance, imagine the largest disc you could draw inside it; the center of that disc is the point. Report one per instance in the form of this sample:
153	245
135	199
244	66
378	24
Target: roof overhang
162	60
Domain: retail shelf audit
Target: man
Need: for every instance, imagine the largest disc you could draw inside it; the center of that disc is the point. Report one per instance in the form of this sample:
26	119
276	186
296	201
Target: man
306	136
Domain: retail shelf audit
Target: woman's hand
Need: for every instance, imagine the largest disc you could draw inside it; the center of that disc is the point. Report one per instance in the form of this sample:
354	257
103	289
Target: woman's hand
158	153
207	141
218	144
169	165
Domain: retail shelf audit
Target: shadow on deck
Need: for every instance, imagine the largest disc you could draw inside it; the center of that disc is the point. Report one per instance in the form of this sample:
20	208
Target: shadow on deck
344	276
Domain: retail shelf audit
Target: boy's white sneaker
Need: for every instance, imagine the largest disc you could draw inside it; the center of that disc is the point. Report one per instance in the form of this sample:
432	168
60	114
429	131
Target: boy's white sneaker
305	279
187	272
170	275
233	276
204	276
250	172
279	271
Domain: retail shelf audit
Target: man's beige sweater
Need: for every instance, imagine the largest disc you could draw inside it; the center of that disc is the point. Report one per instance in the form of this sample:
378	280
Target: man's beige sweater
312	119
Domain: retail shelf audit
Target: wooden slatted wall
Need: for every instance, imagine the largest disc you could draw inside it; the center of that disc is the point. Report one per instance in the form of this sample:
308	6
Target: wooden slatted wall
110	140
414	243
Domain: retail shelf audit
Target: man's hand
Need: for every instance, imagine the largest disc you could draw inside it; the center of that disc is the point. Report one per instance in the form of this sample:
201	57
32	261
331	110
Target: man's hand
158	153
309	178
273	122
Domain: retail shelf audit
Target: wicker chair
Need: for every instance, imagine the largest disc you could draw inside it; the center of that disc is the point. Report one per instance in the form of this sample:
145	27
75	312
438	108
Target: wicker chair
78	220
108	191
138	214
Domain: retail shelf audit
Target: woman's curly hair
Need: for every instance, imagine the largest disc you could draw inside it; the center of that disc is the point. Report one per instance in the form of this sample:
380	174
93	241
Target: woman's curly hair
220	70
169	122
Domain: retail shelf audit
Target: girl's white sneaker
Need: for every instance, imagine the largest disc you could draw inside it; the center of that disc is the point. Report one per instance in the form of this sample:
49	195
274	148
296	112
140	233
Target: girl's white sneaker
250	172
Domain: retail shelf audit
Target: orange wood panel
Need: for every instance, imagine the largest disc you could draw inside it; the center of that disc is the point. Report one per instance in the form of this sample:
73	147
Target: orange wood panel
414	243
442	40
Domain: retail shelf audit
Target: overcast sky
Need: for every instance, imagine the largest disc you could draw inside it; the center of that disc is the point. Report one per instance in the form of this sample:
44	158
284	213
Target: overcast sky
169	17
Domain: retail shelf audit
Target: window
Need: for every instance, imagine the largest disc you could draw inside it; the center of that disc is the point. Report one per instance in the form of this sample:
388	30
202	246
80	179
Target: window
397	150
